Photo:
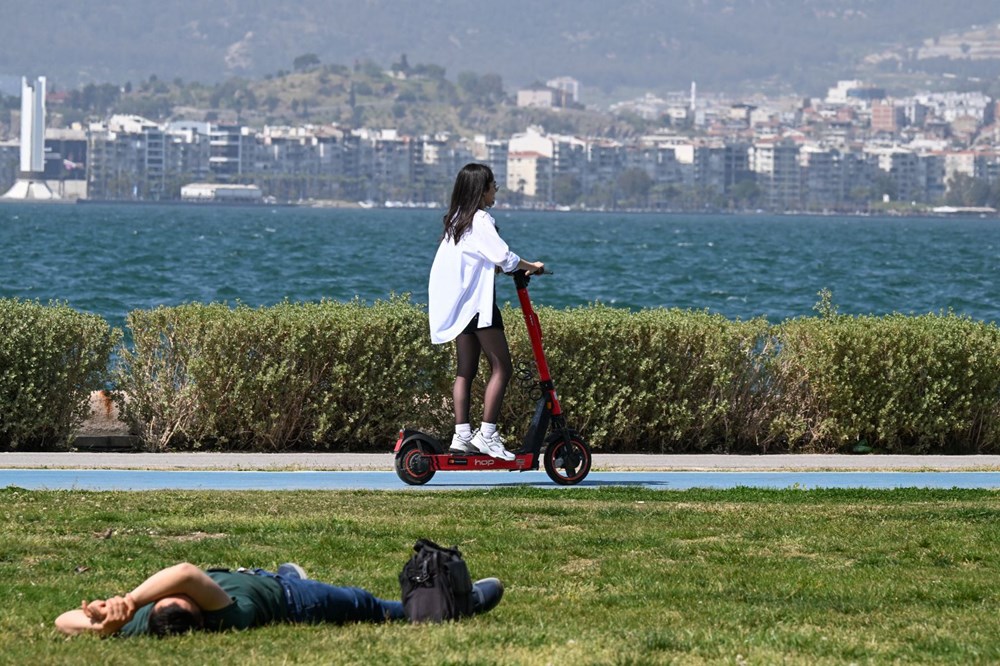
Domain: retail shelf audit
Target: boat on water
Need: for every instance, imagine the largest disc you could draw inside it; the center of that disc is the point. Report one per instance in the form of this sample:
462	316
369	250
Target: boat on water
982	211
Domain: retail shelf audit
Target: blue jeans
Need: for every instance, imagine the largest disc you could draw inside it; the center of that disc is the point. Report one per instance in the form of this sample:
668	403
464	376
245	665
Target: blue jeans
313	602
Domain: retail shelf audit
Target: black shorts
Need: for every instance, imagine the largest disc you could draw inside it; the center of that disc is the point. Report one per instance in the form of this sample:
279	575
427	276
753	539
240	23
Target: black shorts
474	324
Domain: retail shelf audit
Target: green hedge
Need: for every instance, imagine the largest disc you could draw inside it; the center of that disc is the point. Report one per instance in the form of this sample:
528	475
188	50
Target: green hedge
348	375
51	358
292	375
334	375
926	384
656	380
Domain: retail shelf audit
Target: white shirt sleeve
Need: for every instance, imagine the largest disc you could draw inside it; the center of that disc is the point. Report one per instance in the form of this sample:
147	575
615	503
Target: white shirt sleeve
485	239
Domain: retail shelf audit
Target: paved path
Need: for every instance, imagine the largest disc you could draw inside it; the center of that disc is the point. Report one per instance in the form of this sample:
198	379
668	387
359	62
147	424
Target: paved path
384	462
115	479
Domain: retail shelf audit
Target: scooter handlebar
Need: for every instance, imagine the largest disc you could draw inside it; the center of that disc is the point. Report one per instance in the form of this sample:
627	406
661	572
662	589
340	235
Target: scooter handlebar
545	271
521	277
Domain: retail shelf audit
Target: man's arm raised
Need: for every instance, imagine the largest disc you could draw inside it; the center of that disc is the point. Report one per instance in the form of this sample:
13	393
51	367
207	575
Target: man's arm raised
183	578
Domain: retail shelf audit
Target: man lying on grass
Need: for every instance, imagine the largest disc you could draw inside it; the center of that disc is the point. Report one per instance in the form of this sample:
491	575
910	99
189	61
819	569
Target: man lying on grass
184	598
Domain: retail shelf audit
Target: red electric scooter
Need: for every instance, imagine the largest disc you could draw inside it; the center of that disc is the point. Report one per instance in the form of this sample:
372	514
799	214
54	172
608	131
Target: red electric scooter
565	453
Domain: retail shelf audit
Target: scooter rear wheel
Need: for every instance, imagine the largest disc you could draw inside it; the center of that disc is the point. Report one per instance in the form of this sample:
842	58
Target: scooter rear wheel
566	462
412	466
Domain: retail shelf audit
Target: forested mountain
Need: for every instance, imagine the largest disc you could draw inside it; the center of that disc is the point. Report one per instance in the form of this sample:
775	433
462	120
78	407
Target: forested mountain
648	44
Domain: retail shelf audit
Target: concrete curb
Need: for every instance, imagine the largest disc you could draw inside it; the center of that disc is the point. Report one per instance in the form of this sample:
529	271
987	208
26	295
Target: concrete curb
384	462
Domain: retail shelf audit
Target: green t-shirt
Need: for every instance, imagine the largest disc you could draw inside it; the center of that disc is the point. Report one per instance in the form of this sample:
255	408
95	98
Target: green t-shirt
257	600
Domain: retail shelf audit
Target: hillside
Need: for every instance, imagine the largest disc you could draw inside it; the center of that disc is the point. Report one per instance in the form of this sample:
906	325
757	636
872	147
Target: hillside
636	44
416	100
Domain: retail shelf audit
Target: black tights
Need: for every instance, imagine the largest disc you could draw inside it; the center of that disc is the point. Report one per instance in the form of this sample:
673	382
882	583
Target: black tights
493	343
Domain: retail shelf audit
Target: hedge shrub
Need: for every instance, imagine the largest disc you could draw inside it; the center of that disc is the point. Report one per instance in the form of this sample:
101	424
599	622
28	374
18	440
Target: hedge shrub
292	375
51	358
921	384
656	380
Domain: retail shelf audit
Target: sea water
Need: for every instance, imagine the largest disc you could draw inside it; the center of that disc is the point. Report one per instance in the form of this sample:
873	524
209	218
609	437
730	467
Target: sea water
110	259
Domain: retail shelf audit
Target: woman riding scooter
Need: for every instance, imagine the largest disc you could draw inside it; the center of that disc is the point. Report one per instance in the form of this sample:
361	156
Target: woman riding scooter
462	305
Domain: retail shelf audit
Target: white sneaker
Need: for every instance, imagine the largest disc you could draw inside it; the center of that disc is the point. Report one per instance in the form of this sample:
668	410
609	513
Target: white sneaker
491	446
461	445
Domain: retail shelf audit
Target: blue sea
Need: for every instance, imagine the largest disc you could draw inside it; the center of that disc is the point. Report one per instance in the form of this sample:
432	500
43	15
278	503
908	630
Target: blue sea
110	259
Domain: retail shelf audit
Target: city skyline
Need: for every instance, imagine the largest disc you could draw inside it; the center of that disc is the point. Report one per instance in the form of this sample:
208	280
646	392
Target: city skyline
855	146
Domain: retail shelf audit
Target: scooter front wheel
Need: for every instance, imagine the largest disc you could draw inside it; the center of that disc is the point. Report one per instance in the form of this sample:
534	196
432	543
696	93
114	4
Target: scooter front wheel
412	465
567	459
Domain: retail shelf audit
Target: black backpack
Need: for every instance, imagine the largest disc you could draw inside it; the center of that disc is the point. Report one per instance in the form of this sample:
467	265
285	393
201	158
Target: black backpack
435	583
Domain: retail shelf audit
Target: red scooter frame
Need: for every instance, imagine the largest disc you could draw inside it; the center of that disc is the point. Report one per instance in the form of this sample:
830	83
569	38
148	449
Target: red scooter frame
566	455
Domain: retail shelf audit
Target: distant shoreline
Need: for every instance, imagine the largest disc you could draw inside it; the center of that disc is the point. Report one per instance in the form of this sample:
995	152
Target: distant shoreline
181	202
951	213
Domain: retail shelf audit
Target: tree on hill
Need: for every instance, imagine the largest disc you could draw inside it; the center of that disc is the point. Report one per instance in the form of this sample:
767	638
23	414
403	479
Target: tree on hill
486	89
401	67
99	99
305	62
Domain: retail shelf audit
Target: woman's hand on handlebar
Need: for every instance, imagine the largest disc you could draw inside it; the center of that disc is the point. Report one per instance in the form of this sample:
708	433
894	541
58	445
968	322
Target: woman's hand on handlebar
532	267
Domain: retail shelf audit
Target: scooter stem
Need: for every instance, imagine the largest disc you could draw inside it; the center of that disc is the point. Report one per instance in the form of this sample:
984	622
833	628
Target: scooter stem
535	335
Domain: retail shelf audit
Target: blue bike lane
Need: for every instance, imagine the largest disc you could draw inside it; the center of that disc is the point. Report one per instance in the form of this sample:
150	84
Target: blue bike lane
234	471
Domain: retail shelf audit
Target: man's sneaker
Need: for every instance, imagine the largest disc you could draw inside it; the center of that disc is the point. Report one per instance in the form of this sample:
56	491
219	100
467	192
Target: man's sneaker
491	446
461	445
292	570
486	594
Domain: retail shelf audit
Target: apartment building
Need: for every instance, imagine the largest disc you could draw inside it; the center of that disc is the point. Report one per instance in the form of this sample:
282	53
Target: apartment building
492	152
126	159
568	85
186	155
657	161
907	175
544	97
605	160
776	165
931	171
569	159
230	152
822	177
887	117
529	174
987	166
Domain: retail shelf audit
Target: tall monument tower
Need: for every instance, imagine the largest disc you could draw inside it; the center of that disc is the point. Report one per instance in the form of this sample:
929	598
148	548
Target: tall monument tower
31	179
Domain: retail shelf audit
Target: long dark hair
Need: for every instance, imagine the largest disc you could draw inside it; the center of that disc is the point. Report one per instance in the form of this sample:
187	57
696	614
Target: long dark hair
470	185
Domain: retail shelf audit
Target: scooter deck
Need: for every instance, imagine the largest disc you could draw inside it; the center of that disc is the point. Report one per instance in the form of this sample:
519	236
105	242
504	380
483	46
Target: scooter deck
446	462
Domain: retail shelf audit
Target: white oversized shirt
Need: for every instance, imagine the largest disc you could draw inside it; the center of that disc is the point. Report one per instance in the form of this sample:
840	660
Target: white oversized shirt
461	282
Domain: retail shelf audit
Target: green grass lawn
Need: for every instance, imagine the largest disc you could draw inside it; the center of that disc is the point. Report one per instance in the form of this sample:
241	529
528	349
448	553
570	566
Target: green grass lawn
593	576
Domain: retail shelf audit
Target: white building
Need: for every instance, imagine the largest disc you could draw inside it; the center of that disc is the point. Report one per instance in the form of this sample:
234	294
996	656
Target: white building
776	165
532	140
838	94
950	106
221	193
528	173
542	97
568	85
30	182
